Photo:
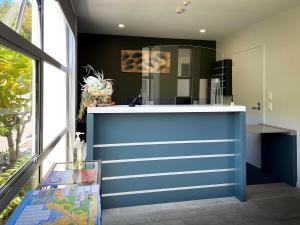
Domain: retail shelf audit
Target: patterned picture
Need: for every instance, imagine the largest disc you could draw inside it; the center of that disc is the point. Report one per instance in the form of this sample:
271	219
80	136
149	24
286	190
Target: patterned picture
138	61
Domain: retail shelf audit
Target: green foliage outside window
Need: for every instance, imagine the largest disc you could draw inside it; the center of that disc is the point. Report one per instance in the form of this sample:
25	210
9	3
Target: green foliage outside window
15	82
26	27
15	99
9	10
13	169
5	7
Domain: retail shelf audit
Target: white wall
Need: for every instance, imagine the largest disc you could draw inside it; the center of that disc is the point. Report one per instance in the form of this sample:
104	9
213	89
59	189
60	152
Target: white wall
280	35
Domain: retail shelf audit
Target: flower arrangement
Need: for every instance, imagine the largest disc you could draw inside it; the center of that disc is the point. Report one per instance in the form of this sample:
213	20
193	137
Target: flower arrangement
96	91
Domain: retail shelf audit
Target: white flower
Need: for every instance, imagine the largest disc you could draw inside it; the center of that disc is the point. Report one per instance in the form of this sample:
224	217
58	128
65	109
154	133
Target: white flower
91	81
109	85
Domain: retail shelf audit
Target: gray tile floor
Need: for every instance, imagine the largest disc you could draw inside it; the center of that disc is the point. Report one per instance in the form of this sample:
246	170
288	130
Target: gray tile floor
270	204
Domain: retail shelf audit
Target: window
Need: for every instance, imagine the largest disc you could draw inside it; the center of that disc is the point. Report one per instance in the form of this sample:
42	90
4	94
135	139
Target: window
72	80
58	43
59	150
55	103
34	86
17	126
9	12
23	17
55	32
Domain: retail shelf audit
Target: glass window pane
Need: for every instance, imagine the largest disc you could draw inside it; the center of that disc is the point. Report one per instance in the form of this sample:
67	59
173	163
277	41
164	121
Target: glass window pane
17	104
71	52
55	31
9	12
72	88
55	104
32	183
58	154
23	17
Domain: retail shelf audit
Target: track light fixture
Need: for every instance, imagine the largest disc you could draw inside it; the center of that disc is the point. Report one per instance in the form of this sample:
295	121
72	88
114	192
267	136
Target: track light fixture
180	9
186	3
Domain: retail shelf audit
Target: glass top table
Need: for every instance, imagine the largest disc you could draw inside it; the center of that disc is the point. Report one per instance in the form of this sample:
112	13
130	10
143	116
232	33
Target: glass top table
61	175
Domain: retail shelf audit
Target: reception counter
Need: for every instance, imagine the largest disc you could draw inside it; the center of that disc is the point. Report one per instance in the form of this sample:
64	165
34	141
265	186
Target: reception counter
167	153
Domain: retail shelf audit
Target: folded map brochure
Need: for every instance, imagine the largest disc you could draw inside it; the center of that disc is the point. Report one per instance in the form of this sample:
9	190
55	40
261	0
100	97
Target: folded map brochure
71	177
71	205
88	175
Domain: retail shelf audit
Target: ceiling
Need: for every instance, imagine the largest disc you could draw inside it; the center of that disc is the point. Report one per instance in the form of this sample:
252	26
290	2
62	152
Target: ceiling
157	18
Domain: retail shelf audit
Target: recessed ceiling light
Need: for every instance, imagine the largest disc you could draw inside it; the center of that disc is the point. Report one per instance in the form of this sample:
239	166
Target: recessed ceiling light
121	25
202	31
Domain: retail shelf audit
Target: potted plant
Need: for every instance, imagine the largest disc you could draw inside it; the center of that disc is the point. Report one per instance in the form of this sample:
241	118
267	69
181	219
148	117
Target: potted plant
96	91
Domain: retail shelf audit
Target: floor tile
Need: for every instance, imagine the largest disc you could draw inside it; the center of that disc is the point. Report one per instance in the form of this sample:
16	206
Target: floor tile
290	221
271	204
129	219
280	208
169	222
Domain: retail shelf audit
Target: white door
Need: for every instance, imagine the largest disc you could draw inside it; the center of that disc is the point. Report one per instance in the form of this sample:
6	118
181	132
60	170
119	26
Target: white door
248	91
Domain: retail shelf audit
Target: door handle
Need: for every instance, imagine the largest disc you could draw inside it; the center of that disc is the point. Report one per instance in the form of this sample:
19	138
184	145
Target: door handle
258	106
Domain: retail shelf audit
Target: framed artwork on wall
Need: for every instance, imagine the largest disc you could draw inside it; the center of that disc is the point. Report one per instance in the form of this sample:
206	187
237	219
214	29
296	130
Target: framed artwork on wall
139	61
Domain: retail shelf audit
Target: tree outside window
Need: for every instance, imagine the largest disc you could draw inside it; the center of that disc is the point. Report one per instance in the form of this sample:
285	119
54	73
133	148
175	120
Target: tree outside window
16	111
16	76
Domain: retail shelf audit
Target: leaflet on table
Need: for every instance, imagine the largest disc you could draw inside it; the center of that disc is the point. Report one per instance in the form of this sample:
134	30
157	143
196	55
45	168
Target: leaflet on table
72	205
71	177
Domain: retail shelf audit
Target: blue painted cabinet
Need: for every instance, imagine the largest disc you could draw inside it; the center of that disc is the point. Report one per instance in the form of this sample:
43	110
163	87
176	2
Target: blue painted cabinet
165	157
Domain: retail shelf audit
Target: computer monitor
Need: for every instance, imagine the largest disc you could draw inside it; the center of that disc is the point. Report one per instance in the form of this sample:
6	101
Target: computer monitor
180	100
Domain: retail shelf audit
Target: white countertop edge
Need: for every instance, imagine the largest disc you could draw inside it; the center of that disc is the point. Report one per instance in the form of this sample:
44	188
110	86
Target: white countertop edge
166	109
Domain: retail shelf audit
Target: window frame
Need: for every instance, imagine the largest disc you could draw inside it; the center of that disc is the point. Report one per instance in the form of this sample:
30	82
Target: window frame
14	41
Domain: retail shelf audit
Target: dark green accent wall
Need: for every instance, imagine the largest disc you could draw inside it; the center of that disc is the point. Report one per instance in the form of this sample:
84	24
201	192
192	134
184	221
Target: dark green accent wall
104	52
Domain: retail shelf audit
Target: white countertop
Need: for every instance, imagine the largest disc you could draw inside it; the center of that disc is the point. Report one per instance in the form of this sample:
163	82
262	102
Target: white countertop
166	109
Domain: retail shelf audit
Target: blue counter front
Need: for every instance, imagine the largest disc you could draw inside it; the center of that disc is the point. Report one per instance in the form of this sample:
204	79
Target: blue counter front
165	154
